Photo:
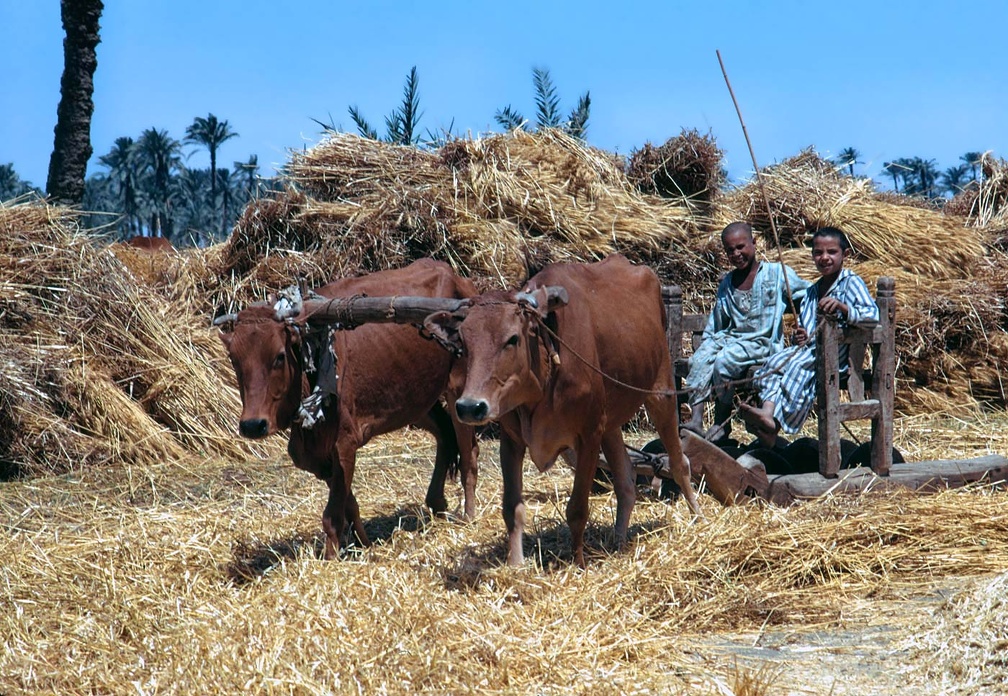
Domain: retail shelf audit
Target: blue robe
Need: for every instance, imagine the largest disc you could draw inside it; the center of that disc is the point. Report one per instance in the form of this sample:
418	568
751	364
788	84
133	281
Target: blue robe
788	377
745	327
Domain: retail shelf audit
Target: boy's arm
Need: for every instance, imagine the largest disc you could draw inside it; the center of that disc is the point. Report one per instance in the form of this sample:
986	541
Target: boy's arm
799	287
861	307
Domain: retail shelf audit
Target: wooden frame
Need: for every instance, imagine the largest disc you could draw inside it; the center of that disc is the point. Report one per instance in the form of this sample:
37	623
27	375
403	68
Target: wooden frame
830	411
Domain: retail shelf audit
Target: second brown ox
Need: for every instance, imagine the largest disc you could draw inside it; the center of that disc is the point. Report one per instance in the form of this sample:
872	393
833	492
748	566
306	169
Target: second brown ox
564	364
388	377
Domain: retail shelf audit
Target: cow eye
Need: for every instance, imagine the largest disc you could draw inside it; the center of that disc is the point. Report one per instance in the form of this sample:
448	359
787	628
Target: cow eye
280	361
513	341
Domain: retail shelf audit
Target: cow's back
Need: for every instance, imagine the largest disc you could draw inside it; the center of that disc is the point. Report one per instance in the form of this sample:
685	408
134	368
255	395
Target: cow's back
422	278
389	375
614	316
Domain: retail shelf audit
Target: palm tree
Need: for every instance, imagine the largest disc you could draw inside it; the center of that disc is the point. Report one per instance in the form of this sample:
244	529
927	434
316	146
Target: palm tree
11	185
926	173
227	188
548	109
72	143
952	178
250	170
972	160
121	161
160	155
401	126
848	157
894	170
211	134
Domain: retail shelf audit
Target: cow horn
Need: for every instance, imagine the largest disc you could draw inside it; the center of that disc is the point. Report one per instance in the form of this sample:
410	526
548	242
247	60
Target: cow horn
225	318
527	298
287	311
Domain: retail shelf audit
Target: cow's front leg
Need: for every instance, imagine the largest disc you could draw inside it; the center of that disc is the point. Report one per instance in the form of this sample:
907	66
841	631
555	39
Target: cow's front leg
577	505
353	515
468	445
623	482
347	462
512	454
334	515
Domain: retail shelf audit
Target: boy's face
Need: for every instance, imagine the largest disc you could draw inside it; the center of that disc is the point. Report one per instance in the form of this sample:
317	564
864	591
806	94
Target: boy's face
828	255
739	248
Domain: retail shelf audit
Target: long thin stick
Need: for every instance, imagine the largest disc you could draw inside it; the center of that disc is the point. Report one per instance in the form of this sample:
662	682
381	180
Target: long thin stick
762	188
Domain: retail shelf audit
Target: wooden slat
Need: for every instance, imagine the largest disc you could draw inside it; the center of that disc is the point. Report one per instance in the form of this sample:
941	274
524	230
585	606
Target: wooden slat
828	396
859	410
883	386
922	476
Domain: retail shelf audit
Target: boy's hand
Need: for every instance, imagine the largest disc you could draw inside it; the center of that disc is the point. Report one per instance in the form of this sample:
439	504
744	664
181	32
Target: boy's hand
800	336
832	306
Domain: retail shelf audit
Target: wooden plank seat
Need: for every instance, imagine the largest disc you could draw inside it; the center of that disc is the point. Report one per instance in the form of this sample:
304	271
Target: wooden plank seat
870	390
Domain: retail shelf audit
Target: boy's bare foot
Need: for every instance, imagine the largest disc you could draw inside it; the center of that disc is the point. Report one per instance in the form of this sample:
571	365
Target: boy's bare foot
695	423
761	422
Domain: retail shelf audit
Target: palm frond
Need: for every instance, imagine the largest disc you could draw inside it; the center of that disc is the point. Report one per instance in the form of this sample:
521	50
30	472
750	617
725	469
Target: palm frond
363	127
547	101
577	122
409	111
509	119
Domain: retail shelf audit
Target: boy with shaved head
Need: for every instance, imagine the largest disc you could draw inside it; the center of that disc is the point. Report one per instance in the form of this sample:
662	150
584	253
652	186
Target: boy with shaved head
745	327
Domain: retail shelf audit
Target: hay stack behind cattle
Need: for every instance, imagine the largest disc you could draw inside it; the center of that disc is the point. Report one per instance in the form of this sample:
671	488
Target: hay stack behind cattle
100	368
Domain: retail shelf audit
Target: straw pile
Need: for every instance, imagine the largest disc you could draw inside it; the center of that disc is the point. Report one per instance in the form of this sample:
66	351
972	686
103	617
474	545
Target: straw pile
497	209
807	192
985	205
98	368
205	577
687	167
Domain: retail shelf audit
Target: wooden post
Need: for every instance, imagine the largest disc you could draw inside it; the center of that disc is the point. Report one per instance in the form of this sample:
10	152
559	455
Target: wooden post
883	378
672	297
828	395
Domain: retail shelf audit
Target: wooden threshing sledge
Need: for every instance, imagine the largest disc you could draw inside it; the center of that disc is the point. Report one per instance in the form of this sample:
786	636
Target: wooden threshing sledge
870	395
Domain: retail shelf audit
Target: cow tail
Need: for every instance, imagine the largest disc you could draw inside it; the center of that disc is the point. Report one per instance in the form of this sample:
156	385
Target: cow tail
447	435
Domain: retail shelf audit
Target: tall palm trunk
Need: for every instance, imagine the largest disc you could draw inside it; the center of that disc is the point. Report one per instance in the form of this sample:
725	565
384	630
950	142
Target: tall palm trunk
72	142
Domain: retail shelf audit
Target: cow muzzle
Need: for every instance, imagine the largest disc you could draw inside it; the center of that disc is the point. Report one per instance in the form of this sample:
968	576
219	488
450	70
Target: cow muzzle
472	411
254	428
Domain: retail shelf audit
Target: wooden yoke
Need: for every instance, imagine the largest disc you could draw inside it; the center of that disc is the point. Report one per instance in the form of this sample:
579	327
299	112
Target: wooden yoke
879	408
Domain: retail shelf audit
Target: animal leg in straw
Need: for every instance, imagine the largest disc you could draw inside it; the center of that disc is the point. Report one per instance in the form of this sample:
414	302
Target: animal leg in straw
584	474
512	454
624	486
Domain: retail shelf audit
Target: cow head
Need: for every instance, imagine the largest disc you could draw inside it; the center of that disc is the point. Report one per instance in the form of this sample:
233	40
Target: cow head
499	338
265	351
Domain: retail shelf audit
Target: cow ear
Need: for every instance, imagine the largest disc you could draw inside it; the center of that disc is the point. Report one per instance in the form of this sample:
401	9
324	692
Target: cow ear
443	327
226	337
556	297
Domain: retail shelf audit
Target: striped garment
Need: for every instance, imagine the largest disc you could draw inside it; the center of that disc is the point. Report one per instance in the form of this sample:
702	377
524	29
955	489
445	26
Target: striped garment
788	377
745	327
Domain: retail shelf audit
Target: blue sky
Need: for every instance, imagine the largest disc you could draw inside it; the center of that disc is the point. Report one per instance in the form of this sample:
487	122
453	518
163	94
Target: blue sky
892	79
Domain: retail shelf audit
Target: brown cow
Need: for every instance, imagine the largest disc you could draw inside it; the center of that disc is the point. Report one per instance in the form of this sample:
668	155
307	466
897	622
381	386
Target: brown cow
388	377
564	364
